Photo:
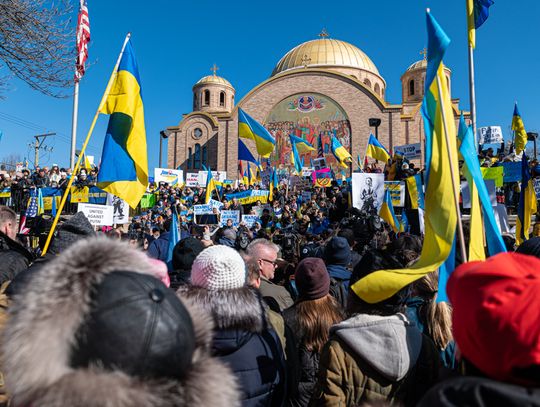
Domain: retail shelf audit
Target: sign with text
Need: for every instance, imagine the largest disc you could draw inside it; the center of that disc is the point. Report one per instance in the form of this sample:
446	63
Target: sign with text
409	151
97	215
192	179
250	196
171	177
250	220
203	209
219	176
490	135
233	215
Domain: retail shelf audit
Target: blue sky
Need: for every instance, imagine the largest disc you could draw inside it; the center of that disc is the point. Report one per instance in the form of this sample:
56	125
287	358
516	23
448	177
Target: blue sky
176	43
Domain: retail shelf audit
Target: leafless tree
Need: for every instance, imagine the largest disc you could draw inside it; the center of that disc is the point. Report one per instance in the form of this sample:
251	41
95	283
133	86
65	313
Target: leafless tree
37	44
10	161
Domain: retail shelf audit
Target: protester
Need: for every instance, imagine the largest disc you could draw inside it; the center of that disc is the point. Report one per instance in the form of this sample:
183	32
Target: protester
14	257
337	256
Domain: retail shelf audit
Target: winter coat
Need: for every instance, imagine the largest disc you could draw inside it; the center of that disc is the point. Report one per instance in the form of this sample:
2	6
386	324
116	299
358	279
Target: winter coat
277	292
14	258
159	248
244	340
307	361
339	283
371	359
480	392
44	319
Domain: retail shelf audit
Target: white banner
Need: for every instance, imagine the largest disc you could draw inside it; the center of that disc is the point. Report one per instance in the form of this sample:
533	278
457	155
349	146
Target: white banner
120	209
409	151
97	215
490	135
171	177
192	179
367	191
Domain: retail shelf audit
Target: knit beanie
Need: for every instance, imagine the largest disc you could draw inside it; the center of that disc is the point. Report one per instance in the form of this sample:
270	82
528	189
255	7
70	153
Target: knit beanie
312	279
185	252
495	316
77	227
531	247
219	268
338	251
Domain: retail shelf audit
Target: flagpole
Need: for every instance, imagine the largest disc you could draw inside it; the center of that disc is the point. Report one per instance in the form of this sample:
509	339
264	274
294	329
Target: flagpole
472	94
453	175
74	123
83	149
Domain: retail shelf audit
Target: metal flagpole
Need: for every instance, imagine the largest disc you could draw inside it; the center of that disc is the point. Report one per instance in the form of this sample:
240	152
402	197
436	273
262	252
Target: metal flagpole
472	94
453	174
83	149
74	124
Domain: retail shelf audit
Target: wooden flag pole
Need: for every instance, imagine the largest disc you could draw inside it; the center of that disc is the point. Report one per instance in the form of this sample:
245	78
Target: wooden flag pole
83	149
453	174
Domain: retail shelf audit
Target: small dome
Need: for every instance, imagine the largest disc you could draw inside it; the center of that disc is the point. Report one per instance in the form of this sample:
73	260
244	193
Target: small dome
213	79
325	52
422	64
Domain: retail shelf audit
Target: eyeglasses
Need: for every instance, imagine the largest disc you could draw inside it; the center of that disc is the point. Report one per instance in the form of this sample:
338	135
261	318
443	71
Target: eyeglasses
274	263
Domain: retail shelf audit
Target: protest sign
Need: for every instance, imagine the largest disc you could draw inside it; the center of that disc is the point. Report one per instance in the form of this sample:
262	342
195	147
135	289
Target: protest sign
397	192
95	196
97	215
322	177
367	191
306	196
215	204
79	194
250	220
171	177
203	209
537	187
466	193
494	173
219	176
512	172
233	215
249	196
409	151
257	210
120	209
192	179
306	171
490	135
5	192
148	201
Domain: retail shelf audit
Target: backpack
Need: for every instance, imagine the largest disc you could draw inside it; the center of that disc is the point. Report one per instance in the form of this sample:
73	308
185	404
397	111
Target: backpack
338	290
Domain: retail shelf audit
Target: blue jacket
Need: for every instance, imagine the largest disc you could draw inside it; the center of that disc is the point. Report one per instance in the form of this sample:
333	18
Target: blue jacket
159	248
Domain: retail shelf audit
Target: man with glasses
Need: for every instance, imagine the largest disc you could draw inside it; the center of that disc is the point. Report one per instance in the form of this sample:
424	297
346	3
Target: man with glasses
265	254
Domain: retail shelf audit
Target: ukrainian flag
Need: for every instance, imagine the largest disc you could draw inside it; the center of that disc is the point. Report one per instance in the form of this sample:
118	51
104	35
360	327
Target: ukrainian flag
250	128
273	185
124	160
210	185
477	14
519	128
440	211
387	212
376	150
295	156
527	203
301	145
340	152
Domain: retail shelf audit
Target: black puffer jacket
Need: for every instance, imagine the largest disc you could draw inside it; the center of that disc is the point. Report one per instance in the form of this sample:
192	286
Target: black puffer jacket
14	258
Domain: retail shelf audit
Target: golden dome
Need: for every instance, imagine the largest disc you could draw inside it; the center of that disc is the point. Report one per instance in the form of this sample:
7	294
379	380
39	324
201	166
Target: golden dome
422	64
325	52
213	79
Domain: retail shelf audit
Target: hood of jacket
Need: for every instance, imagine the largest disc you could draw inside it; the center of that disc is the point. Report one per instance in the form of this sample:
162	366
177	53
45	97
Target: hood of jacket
338	271
389	344
46	315
6	244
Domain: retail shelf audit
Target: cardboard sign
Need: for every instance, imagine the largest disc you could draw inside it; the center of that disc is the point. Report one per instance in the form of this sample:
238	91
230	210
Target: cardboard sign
409	151
97	215
233	215
171	177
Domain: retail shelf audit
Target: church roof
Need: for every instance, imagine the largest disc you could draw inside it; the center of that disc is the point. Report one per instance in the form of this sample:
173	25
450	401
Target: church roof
325	52
421	64
213	79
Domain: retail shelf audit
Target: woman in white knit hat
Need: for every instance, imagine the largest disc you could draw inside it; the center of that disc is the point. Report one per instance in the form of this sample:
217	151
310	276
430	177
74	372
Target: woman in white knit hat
243	338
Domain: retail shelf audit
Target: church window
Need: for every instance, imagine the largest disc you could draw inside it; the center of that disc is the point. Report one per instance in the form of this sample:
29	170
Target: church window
377	89
206	97
190	158
204	156
367	82
222	99
411	87
197	157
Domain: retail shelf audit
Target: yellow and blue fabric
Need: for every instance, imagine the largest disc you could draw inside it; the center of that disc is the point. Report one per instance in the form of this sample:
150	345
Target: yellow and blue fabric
520	139
40	205
301	145
252	177
440	211
295	156
174	237
477	14
210	185
376	150
340	152
124	160
244	154
273	184
387	213
527	203
416	191
245	179
249	128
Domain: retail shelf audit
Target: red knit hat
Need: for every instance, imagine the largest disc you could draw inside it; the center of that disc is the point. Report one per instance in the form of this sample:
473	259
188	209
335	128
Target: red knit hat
496	314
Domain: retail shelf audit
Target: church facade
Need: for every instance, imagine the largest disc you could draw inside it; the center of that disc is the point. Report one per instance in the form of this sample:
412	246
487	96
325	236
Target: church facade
320	88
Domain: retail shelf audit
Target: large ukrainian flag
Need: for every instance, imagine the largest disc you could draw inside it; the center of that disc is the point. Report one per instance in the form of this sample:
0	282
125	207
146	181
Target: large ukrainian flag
248	127
376	150
340	152
124	160
518	127
527	203
440	211
477	14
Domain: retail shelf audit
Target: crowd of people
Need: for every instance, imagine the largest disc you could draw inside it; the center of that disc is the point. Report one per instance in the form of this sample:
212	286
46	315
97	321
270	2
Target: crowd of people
219	313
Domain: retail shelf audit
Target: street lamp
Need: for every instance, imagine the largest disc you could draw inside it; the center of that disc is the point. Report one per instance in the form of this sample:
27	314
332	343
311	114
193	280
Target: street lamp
163	134
375	122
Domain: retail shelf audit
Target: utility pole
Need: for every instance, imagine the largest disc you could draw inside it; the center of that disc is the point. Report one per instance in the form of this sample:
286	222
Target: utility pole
40	138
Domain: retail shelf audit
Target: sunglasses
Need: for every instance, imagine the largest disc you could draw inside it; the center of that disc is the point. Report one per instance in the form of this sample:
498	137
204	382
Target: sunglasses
274	263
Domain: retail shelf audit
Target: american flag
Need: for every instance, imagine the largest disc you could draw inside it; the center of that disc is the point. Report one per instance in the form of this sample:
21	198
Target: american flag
83	38
31	212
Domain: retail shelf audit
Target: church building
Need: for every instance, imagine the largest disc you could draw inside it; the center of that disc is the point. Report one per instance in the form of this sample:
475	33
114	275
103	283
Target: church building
320	88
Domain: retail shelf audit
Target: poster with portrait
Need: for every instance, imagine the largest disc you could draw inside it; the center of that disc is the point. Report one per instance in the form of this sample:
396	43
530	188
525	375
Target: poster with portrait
367	192
120	209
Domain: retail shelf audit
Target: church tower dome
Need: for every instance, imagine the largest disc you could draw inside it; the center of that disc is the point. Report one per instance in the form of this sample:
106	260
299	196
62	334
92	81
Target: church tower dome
413	80
213	94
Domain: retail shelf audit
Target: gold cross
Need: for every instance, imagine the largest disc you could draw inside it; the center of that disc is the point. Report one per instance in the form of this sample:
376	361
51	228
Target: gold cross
306	60
424	53
214	69
324	33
